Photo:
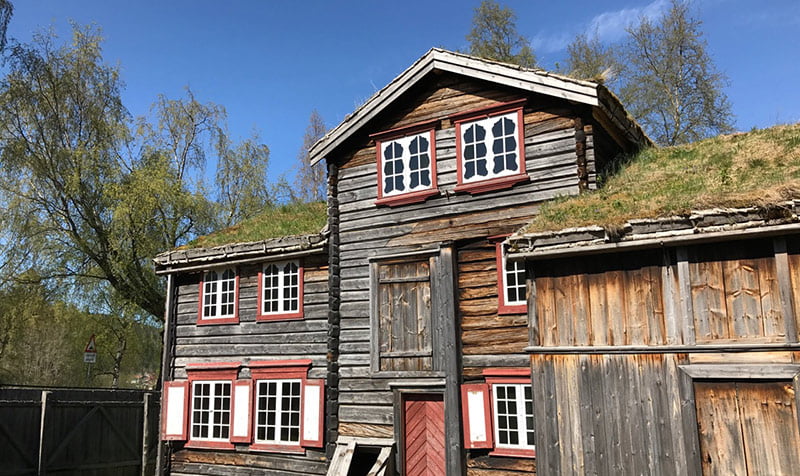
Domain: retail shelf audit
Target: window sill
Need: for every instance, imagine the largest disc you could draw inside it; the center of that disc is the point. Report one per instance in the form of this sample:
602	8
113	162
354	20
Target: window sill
492	184
407	198
279	317
504	309
286	449
513	452
222	320
218	445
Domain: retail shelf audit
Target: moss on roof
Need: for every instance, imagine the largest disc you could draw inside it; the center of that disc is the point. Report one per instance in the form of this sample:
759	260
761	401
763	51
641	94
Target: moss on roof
761	168
285	220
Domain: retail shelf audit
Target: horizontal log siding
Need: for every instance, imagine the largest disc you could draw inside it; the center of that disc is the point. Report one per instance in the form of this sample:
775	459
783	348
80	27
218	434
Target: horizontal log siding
269	340
618	414
487	338
366	402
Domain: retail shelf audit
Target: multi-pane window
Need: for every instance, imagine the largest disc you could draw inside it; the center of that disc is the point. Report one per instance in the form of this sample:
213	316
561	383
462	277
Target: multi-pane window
514	282
490	147
211	410
219	294
513	416
281	289
278	412
406	166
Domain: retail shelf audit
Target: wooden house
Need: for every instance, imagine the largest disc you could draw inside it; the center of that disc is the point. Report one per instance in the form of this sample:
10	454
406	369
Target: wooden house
245	357
410	315
429	323
668	347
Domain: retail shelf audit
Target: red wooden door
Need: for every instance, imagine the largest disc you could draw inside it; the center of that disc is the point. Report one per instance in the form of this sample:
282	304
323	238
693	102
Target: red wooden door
423	419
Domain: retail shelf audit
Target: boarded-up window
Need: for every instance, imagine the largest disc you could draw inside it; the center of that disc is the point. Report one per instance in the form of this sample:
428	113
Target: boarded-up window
747	428
403	306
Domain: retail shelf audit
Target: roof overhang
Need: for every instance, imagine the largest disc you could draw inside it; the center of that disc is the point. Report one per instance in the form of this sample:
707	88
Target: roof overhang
532	80
196	259
705	226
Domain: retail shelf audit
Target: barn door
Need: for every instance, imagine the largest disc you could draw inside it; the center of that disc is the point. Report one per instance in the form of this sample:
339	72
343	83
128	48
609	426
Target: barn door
423	435
748	428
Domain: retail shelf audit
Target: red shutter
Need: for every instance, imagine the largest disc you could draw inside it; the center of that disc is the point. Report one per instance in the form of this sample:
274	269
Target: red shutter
175	407
241	411
476	415
313	413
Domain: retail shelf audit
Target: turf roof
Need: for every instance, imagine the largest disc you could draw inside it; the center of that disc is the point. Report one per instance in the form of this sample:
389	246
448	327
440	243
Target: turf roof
285	220
757	168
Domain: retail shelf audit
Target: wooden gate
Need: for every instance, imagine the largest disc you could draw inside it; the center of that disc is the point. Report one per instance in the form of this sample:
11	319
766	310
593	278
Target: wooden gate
78	431
748	428
423	435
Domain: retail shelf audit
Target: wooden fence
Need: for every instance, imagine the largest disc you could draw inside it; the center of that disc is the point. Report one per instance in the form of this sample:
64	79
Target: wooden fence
78	431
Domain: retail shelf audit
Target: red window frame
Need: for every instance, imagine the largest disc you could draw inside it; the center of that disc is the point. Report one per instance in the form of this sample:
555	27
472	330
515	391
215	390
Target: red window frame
502	306
205	321
284	316
216	371
280	370
397	133
496	376
497	183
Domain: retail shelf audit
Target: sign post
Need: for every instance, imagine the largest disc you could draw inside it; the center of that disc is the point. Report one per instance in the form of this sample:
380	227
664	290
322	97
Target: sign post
90	357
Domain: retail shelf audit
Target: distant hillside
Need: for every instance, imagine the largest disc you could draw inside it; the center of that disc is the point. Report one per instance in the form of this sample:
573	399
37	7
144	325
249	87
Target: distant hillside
761	167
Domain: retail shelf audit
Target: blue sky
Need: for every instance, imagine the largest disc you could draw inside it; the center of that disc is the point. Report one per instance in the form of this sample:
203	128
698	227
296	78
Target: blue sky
270	63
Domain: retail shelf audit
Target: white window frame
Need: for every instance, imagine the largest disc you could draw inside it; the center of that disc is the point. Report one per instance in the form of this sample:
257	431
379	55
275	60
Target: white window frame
280	411
517	270
487	124
212	289
295	303
213	410
405	158
520	415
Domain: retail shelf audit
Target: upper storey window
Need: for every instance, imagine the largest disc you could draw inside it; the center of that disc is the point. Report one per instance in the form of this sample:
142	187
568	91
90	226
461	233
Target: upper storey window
280	291
406	163
218	296
490	147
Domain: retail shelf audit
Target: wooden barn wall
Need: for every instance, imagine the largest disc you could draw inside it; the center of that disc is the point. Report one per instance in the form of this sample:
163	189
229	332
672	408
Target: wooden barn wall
611	414
366	401
732	292
251	340
488	339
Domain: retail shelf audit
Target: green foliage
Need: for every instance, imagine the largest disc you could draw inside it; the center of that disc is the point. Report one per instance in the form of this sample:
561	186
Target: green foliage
88	194
735	170
494	36
589	59
285	220
310	185
671	85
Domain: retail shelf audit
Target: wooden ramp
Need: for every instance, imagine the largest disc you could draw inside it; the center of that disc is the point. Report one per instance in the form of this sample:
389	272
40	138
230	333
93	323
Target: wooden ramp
347	447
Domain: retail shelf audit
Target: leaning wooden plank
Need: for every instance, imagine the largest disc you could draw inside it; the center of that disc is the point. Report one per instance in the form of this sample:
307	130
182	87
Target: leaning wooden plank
342	457
379	468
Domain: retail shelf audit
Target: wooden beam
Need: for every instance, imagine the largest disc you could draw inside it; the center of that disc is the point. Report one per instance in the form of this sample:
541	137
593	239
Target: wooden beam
785	288
686	305
742	371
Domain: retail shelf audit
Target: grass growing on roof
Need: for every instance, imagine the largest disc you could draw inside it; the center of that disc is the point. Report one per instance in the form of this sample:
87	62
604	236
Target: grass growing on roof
761	167
284	220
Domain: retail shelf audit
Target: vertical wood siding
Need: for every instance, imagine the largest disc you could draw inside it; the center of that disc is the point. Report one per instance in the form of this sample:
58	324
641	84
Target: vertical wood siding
268	340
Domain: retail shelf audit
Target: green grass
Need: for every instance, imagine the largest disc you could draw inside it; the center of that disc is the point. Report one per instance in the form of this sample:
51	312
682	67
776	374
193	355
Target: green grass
286	220
760	168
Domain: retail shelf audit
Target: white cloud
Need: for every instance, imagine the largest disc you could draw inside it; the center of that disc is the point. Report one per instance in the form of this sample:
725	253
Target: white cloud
610	26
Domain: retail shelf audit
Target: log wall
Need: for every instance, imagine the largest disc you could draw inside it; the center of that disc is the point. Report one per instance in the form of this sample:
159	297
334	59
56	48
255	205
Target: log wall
251	340
367	232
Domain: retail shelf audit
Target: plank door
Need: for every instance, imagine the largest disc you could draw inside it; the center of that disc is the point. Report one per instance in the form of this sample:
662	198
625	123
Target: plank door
748	428
404	309
423	435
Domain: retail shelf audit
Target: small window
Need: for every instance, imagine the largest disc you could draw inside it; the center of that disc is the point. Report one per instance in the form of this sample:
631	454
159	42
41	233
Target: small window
280	292
406	163
278	412
513	416
218	296
511	283
211	411
490	148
